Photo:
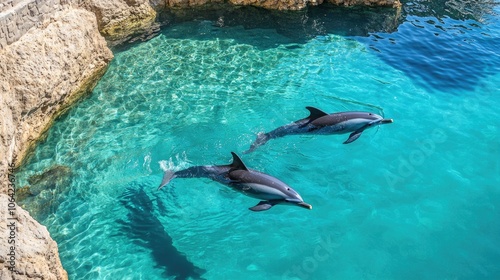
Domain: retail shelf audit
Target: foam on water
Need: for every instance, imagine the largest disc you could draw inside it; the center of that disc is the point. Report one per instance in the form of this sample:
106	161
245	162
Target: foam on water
416	199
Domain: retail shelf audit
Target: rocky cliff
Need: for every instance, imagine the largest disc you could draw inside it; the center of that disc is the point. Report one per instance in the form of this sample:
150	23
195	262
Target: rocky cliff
42	73
118	19
32	254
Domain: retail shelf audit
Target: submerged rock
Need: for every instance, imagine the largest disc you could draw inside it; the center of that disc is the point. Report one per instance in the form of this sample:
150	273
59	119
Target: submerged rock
46	191
51	177
23	193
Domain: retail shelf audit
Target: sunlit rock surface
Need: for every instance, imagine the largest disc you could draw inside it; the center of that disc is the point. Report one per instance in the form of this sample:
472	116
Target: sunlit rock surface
36	254
119	18
42	74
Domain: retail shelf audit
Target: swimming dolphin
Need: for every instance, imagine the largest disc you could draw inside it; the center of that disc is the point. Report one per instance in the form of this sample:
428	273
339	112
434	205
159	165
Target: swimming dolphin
319	122
248	181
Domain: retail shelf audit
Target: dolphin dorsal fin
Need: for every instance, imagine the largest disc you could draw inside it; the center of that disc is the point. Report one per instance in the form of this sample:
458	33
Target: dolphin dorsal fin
315	113
237	162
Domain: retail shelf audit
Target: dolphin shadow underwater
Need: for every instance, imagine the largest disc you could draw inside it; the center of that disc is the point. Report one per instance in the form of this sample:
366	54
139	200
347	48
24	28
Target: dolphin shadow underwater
270	190
143	227
319	122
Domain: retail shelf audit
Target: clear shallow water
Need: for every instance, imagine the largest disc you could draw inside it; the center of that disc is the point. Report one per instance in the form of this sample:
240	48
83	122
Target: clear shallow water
416	199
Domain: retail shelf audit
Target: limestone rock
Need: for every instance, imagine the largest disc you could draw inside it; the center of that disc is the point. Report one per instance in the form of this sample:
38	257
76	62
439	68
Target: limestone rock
33	252
120	18
42	74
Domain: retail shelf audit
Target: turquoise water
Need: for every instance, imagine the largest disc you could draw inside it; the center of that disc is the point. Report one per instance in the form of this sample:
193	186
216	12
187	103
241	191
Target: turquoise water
416	199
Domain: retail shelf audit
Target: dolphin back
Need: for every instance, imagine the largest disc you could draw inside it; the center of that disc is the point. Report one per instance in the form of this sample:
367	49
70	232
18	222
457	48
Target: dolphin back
167	177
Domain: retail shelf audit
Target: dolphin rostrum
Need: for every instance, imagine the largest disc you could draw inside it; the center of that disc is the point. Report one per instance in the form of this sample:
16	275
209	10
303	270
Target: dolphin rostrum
319	122
248	181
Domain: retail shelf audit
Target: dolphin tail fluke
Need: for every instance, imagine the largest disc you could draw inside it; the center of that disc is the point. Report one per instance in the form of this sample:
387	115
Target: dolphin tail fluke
262	206
262	138
169	175
355	135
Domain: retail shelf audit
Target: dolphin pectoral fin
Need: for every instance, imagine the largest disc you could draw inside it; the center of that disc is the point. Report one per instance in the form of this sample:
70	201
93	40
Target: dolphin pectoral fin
355	135
262	206
169	175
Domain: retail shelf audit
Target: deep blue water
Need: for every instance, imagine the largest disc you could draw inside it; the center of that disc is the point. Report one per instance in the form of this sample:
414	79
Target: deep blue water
416	199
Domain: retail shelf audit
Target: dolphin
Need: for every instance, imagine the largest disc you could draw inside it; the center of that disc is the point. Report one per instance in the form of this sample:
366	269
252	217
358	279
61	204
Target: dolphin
268	189
319	122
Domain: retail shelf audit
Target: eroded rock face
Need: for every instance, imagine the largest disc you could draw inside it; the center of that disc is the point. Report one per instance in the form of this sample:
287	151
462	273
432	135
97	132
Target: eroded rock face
35	253
120	18
43	73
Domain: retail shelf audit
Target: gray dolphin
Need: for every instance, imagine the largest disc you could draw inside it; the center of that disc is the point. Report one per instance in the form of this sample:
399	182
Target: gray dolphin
319	122
247	181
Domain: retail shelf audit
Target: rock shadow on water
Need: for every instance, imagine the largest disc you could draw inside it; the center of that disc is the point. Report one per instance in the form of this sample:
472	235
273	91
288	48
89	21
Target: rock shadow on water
146	230
45	191
295	27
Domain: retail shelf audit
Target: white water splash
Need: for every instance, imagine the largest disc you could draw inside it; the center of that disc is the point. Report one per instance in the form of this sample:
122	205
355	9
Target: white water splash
147	163
170	164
